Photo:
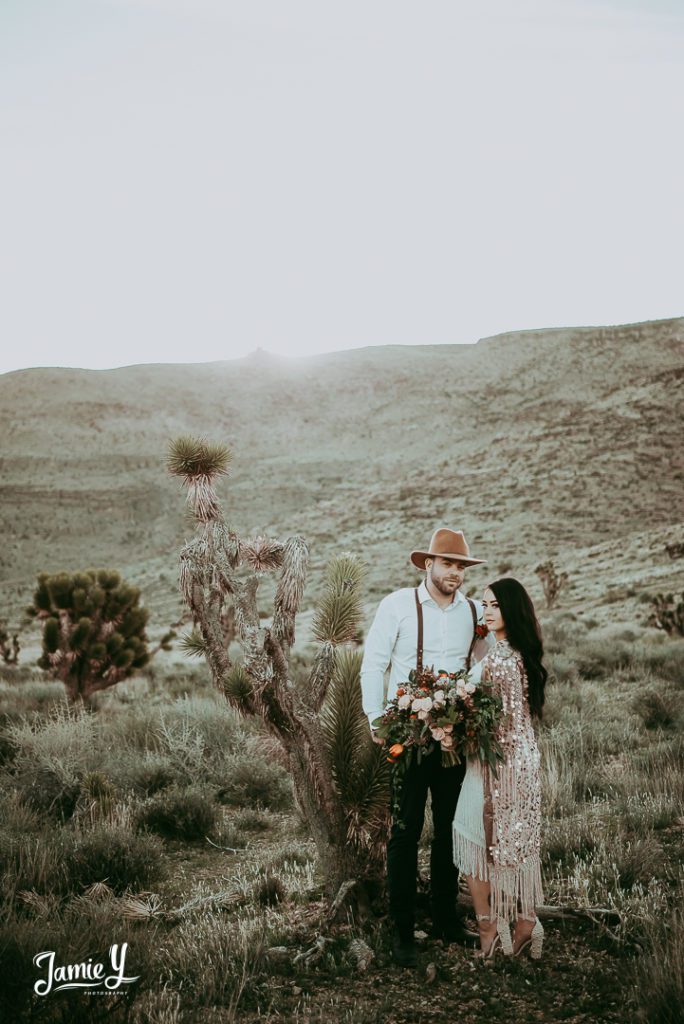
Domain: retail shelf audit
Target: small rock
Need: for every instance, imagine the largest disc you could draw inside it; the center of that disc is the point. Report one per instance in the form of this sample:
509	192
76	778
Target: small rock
278	952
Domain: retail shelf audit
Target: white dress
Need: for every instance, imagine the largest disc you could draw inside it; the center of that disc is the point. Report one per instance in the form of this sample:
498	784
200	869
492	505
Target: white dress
469	833
513	819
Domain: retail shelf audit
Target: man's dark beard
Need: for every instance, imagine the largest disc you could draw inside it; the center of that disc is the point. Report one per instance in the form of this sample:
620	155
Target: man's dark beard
439	586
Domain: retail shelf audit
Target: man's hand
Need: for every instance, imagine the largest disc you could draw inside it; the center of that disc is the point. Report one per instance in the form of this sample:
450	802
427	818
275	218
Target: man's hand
377	739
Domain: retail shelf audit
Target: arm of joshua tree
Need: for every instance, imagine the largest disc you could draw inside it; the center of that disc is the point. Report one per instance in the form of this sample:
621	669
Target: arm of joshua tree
209	579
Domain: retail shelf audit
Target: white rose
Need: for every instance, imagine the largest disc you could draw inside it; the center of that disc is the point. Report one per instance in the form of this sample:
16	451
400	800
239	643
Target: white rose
470	687
404	701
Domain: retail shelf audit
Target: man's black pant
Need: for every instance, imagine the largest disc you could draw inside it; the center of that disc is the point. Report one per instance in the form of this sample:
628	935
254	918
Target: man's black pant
402	849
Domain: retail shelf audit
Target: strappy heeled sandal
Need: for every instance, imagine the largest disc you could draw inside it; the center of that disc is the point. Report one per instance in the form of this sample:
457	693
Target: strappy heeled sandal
501	940
534	943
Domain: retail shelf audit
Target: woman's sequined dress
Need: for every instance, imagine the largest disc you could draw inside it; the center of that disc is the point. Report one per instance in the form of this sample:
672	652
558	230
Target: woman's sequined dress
502	814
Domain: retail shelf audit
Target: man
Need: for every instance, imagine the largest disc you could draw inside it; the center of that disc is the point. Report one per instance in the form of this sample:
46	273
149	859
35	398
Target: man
432	625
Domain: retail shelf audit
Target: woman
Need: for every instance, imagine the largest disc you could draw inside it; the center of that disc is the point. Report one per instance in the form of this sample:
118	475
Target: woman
497	820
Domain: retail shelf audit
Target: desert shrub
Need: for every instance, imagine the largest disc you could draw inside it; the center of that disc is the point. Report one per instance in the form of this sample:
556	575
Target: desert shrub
50	791
188	814
231	959
144	773
8	747
659	975
269	890
657	709
31	861
197	735
115	855
64	744
297	854
20	940
256	783
248	820
597	659
562	667
637	861
666	661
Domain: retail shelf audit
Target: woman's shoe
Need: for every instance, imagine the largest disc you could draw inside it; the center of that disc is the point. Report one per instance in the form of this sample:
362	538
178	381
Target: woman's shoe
500	940
534	943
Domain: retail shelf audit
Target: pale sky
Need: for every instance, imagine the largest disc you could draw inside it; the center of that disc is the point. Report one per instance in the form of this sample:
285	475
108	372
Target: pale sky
187	180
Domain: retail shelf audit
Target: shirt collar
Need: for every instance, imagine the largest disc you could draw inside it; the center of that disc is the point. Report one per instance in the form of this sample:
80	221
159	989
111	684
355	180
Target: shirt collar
424	595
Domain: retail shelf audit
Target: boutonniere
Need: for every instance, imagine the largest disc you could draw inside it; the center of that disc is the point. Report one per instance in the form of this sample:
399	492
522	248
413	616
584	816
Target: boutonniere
481	630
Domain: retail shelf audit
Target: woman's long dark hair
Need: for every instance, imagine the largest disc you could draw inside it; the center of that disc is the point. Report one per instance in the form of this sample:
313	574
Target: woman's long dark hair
523	632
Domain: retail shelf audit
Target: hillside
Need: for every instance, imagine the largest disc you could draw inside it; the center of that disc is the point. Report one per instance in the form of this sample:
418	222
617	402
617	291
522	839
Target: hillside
553	443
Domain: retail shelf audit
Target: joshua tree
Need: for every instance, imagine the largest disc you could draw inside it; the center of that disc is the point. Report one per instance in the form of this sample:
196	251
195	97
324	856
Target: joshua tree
667	614
552	581
340	777
9	646
93	629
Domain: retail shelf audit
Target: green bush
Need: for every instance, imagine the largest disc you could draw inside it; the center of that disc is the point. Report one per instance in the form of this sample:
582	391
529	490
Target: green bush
187	814
257	783
657	709
51	792
115	855
146	774
248	820
269	890
659	982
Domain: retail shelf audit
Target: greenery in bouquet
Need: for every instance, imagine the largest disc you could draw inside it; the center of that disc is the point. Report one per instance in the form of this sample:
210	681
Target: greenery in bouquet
439	708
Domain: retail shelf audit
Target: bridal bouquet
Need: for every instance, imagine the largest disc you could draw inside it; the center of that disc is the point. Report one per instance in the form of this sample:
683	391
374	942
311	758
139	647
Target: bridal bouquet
440	708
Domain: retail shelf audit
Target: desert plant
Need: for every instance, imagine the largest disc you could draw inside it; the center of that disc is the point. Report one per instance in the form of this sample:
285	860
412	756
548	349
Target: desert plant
667	613
659	982
9	645
657	709
552	581
115	855
93	629
339	776
180	814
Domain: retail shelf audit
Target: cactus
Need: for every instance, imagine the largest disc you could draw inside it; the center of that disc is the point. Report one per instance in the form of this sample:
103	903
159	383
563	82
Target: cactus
340	777
552	581
9	645
93	629
667	614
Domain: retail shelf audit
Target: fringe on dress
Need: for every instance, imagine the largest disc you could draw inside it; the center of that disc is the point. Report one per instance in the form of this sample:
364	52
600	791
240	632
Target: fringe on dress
497	827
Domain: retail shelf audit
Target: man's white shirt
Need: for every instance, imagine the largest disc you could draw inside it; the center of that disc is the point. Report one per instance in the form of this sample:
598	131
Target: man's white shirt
392	642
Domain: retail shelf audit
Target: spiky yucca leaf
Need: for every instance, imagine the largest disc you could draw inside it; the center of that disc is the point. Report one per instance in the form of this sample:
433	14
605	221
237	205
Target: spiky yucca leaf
358	766
345	572
142	907
192	644
194	457
238	685
262	553
342	716
337	618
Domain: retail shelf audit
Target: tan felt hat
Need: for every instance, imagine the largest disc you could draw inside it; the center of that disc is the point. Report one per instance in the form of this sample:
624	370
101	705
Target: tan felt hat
446	544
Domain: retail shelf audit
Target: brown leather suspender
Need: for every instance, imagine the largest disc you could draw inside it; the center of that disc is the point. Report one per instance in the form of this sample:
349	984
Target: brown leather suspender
419	649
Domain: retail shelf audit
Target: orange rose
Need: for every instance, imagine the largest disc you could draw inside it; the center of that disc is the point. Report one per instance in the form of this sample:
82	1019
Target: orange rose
396	750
